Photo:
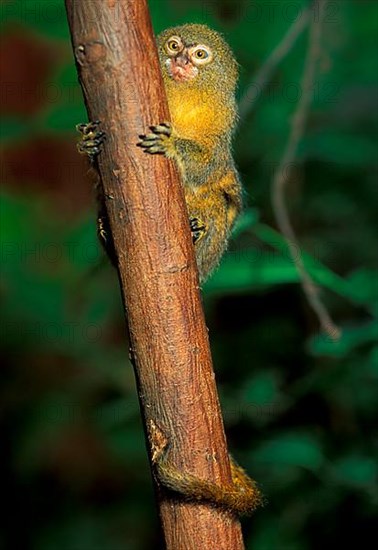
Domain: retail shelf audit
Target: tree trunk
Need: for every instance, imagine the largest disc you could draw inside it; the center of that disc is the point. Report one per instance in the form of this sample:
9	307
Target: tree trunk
119	72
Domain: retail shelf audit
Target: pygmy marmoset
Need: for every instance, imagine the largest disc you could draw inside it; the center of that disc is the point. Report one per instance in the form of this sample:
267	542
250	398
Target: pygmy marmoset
200	76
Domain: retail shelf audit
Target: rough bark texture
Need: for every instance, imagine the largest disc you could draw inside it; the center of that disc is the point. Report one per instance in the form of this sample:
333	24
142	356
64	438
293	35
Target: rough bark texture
119	72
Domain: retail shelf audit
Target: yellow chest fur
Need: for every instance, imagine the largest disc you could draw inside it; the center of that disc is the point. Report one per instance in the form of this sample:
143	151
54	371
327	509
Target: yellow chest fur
196	114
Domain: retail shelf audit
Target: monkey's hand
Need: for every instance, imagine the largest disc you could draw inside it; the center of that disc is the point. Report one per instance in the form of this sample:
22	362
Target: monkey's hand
160	141
91	139
193	158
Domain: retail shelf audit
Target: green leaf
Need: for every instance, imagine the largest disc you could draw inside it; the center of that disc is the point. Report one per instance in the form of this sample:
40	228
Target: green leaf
15	222
355	470
126	444
291	449
373	362
66	106
351	338
261	388
364	283
319	272
340	147
117	412
250	270
12	128
46	16
246	221
64	117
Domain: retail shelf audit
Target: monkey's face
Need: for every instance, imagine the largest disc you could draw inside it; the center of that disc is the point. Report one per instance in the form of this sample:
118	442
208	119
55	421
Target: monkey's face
184	60
196	55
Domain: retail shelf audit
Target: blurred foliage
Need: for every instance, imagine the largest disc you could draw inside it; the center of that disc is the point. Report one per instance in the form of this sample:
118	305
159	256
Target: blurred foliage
299	408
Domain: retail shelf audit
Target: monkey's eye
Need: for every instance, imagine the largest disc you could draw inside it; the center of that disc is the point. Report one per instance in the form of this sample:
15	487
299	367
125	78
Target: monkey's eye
174	45
201	55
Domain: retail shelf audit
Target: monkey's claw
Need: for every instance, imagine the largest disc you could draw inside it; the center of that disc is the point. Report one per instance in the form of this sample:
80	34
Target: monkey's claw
102	230
157	141
162	128
91	139
198	229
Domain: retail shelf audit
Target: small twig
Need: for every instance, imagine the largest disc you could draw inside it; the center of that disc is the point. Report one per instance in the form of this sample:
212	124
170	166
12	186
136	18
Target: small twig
284	172
261	79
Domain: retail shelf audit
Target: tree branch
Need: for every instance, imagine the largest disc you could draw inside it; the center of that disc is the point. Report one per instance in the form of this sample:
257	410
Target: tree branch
261	79
284	173
120	76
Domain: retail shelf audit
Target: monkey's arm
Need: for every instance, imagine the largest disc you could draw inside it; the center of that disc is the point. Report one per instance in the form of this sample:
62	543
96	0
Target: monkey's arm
195	158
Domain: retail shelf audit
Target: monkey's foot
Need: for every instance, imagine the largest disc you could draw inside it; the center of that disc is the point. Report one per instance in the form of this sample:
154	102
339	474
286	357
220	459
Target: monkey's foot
105	238
158	141
102	230
198	229
91	139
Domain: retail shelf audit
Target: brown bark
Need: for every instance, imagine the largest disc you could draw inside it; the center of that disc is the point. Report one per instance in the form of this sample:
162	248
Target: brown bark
119	72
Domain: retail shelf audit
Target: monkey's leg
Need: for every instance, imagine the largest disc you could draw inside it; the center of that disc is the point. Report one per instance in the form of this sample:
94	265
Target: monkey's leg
222	204
230	187
210	234
90	144
216	206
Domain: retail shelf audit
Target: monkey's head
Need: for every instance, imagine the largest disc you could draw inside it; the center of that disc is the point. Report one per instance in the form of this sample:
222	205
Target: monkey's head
194	55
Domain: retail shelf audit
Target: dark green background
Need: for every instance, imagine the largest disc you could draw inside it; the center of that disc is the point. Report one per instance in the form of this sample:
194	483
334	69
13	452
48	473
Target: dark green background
298	408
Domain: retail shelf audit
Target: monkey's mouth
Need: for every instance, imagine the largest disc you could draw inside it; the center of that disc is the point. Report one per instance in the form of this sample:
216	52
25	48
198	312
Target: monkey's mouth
180	68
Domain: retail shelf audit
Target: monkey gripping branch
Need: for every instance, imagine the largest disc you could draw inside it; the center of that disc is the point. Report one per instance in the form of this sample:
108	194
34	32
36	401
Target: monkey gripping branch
119	72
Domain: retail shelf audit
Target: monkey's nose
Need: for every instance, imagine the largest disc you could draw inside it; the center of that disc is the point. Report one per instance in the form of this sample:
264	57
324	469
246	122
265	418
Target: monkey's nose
182	60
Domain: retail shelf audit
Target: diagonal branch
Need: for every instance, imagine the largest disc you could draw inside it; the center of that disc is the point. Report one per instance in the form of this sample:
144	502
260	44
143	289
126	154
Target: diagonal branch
119	71
261	79
284	173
